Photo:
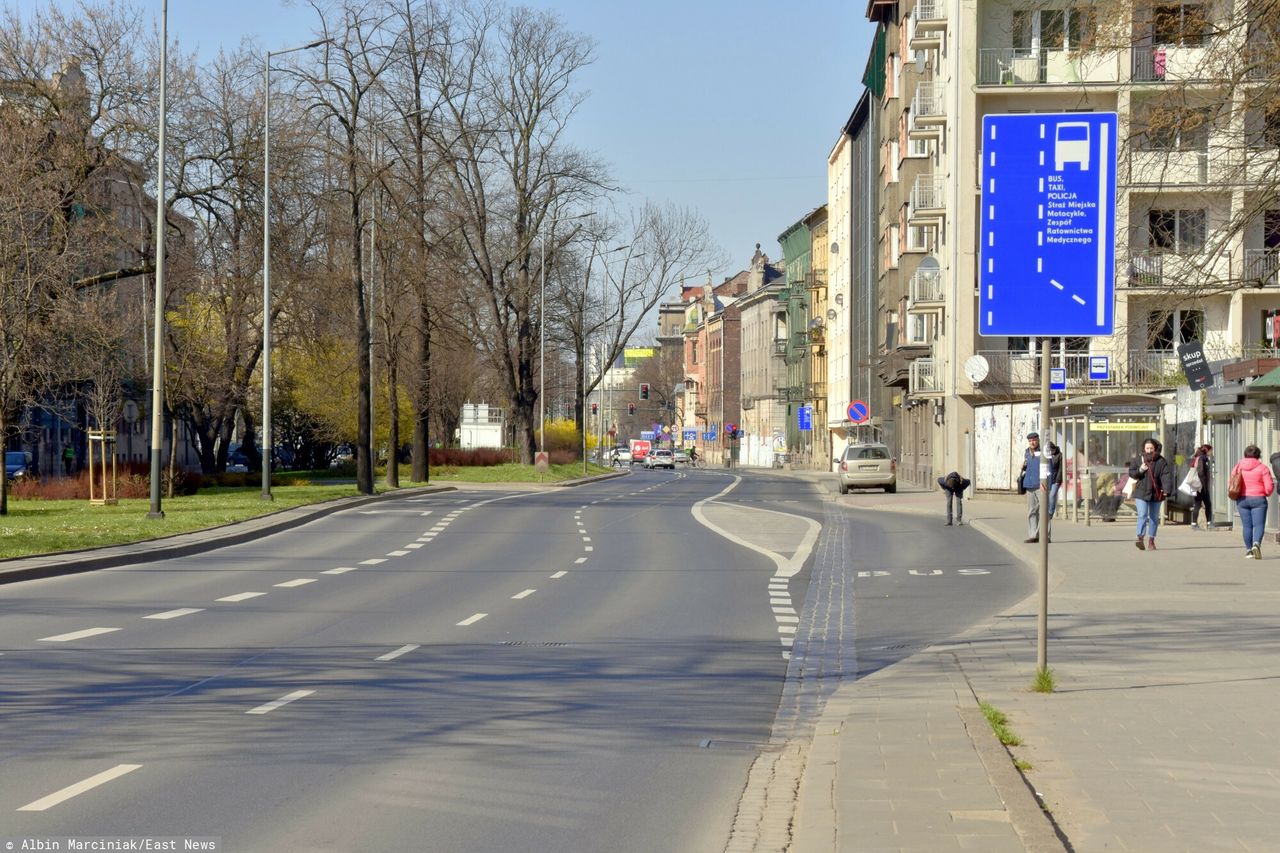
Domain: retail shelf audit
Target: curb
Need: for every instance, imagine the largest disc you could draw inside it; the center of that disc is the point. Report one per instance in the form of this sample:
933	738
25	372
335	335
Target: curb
93	559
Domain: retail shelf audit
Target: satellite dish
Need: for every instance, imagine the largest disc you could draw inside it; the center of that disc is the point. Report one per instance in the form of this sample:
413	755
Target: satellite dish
929	263
976	368
831	313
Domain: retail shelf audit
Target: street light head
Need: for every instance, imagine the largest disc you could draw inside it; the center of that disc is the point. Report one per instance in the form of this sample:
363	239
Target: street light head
318	43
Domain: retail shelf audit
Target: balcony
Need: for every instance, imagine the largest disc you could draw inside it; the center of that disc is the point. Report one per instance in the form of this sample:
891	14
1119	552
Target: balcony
1008	66
780	347
931	24
928	200
1146	271
1020	371
926	290
1160	169
1261	265
925	377
928	113
816	390
1158	64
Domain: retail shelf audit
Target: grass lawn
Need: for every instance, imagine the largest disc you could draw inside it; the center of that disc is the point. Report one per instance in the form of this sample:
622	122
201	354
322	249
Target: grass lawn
44	527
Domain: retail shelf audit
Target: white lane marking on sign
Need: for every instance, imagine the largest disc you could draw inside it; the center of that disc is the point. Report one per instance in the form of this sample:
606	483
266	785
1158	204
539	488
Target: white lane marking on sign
340	570
79	788
991	291
471	620
993	131
991	318
1039	238
296	582
1055	284
993	158
403	650
1041	158
174	614
281	702
396	553
1039	264
1103	203
1042	131
241	596
991	238
559	574
76	635
1040	210
1077	299
991	211
372	562
1042	185
991	264
992	185
523	594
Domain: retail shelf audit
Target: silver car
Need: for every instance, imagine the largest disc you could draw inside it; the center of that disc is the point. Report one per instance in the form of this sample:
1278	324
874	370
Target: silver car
660	459
865	466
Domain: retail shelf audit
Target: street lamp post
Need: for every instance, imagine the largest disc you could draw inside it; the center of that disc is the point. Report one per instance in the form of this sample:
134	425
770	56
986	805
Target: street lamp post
157	364
267	438
585	348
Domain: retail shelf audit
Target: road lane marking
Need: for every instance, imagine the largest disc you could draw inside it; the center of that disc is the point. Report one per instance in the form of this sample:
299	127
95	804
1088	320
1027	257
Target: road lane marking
396	553
786	629
340	570
373	562
588	548
79	788
785	611
559	574
403	650
281	702
413	546
174	614
586	538
241	596
471	620
580	560
525	594
296	582
439	528
787	619
76	635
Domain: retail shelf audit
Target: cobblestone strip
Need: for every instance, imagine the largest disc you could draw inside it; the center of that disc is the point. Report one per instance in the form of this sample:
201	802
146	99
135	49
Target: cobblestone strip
822	656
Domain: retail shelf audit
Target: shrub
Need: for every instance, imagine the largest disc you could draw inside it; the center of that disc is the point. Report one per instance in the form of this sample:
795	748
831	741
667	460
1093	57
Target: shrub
133	480
563	457
454	457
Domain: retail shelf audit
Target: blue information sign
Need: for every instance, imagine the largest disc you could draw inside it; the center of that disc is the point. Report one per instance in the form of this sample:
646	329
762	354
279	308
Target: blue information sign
805	414
646	435
1099	368
690	435
1057	379
1048	224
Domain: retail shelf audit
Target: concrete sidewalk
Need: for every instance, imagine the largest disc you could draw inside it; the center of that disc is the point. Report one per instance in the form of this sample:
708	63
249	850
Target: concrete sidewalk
1161	734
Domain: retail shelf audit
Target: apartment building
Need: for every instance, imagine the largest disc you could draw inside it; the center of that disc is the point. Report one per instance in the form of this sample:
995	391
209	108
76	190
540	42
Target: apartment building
766	365
1198	219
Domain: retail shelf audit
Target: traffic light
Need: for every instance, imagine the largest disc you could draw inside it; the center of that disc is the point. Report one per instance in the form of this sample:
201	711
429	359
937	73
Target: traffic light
631	408
595	408
644	390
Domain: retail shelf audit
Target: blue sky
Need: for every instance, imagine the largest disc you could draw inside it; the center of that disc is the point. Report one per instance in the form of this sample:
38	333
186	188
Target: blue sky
726	106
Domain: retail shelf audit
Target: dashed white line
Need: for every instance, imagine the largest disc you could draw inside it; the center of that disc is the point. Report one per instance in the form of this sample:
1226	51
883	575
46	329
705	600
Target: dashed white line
281	702
991	291
413	546
559	574
993	159
296	582
586	538
471	620
580	560
787	619
588	548
79	788
1055	284
993	131
785	611
340	570
241	596
76	635
523	594
991	211
1077	299
396	553
372	562
403	650
174	614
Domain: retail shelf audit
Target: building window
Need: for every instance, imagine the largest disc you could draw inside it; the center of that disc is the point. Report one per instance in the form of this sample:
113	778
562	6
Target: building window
917	148
1166	330
1181	232
1263	127
920	238
1175	130
1179	25
1051	29
694	359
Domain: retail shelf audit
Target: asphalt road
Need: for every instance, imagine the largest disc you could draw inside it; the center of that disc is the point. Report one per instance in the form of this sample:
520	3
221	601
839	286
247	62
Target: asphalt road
578	670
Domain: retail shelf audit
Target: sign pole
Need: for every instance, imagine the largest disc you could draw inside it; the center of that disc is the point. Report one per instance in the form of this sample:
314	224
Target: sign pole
1046	475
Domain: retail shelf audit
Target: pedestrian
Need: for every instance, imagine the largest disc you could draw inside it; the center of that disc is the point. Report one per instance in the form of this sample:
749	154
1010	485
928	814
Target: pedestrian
1153	478
1256	485
68	459
1202	464
1029	485
954	485
1055	477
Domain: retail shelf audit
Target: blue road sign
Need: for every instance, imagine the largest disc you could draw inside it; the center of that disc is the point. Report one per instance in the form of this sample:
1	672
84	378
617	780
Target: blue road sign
859	412
1099	368
708	436
690	435
1048	224
646	435
805	414
1057	379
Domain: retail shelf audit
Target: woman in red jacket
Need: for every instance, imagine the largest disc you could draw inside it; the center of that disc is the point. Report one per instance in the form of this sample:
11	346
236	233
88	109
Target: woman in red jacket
1257	486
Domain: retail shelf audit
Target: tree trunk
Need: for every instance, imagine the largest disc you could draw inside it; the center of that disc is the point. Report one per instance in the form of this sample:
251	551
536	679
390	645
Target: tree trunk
4	480
364	415
422	400
393	435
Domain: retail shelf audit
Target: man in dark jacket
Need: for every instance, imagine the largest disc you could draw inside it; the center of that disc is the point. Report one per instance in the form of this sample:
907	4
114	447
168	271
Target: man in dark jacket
954	485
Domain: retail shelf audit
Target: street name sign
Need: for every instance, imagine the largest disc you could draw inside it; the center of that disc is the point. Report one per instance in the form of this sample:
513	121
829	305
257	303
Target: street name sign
1047	265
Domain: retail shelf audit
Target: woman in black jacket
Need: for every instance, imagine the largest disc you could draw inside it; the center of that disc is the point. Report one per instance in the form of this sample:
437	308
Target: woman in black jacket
1154	482
1203	463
